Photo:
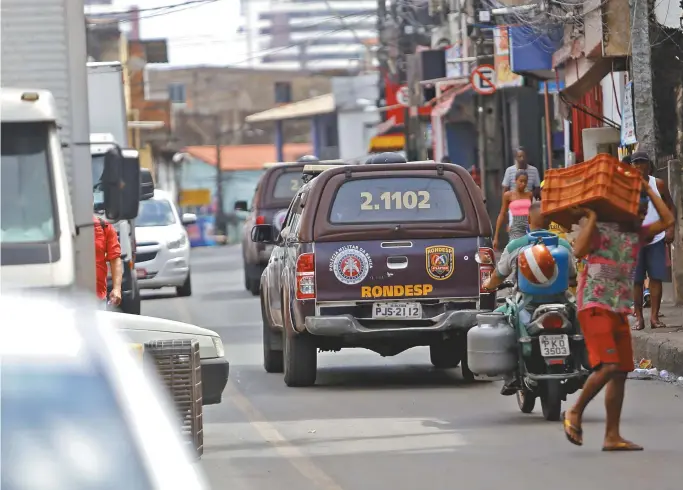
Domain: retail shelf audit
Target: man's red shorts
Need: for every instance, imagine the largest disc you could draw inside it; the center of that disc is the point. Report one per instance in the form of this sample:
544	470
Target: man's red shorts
608	338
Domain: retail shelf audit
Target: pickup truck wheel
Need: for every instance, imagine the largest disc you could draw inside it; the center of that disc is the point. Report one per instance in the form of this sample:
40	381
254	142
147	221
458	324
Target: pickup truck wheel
300	360
445	354
273	361
186	289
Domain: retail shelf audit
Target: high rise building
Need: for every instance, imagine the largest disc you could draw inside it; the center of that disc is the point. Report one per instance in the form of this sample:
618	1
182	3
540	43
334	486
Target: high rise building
312	34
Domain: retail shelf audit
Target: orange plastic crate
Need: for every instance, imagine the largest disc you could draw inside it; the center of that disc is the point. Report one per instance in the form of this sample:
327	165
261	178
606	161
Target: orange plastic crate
604	184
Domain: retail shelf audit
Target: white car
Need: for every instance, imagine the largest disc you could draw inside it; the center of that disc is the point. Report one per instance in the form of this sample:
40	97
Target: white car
163	248
77	410
215	367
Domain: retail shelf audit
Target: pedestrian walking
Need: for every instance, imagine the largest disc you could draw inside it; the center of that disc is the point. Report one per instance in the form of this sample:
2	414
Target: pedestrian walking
107	255
516	204
604	302
652	257
522	163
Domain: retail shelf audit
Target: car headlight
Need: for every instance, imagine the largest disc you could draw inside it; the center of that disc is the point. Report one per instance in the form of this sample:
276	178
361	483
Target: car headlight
180	242
218	344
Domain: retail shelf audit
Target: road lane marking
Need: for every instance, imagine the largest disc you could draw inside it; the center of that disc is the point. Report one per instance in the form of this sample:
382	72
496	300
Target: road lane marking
302	463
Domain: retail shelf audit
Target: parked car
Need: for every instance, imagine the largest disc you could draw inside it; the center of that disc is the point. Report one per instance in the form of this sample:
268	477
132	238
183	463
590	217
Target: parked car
77	410
163	248
273	194
215	367
384	256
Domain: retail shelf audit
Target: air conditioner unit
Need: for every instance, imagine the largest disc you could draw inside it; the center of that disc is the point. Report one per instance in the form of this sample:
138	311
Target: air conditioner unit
600	140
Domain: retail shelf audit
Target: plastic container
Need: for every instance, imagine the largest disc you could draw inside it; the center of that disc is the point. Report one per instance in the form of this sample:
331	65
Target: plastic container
492	346
560	283
611	188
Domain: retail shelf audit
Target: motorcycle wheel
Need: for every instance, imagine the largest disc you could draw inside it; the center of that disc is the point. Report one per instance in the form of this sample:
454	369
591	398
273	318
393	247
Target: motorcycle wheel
551	400
526	401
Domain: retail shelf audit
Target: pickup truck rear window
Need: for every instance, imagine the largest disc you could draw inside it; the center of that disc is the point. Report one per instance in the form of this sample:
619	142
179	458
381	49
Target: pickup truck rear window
395	200
287	184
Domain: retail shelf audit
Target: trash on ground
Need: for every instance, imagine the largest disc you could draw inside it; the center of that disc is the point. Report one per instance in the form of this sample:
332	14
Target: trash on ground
645	364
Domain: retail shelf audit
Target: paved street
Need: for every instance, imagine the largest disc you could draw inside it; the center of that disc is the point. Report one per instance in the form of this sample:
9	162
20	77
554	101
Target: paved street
374	423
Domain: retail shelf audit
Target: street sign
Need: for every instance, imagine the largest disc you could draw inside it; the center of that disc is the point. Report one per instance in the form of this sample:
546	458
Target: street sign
195	197
483	79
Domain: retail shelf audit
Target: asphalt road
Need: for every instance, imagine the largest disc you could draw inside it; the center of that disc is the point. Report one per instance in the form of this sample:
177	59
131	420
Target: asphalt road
374	423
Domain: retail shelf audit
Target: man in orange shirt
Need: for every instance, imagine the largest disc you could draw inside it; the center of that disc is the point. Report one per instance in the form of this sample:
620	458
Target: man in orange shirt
107	250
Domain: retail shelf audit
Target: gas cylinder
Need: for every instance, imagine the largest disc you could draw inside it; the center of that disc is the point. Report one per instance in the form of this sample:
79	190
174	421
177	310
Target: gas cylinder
492	346
559	281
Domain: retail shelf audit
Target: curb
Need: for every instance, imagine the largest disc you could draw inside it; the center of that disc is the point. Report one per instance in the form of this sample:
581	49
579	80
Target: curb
663	353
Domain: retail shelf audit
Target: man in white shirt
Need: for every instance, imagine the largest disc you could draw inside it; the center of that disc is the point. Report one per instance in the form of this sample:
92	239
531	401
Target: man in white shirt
521	163
652	257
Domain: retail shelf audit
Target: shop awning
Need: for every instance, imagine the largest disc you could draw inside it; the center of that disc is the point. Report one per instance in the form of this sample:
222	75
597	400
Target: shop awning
323	104
387	142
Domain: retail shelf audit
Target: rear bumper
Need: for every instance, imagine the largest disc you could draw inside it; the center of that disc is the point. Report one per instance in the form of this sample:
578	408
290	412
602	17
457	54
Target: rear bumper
214	378
337	326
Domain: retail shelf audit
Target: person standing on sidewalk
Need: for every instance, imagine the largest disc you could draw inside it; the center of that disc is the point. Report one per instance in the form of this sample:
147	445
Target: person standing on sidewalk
107	254
652	257
603	304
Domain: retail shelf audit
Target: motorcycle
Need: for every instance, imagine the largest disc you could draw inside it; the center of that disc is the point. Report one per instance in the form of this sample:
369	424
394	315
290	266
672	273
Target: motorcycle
535	342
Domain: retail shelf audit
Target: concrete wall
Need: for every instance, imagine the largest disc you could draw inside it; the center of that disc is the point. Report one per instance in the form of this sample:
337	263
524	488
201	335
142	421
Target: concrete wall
354	134
231	94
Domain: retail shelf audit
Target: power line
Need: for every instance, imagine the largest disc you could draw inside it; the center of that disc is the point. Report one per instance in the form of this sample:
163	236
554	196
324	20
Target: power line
160	11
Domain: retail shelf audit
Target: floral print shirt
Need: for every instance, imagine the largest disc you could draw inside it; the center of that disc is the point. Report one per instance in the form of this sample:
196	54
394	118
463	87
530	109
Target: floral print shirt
606	281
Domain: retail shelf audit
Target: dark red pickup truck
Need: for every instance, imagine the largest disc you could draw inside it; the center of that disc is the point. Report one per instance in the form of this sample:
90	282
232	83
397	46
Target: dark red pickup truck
384	256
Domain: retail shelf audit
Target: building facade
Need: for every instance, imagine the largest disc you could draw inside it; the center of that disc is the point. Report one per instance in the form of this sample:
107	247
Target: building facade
316	35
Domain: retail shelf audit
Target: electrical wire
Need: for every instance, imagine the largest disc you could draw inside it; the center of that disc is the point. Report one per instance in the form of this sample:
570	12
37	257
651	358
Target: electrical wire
155	12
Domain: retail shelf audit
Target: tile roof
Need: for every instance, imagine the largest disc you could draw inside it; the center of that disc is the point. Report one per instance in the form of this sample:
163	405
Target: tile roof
247	157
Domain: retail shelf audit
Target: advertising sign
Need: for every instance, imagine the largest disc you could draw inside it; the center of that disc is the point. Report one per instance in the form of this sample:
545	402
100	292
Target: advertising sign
501	60
628	122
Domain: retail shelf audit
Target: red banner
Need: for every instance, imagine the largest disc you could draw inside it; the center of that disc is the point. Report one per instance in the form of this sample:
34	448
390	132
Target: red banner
398	94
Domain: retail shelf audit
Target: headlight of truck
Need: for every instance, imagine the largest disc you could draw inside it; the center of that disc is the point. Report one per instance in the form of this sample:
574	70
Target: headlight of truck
218	344
180	242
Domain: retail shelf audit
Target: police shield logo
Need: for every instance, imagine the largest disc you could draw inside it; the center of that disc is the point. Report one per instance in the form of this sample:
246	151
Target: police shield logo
440	262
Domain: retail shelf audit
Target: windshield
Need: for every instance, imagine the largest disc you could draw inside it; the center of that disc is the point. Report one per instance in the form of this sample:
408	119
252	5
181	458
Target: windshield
97	169
26	193
287	184
395	200
63	429
155	212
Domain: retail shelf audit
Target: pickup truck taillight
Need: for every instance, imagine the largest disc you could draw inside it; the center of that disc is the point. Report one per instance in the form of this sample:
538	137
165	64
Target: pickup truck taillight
260	220
486	259
305	276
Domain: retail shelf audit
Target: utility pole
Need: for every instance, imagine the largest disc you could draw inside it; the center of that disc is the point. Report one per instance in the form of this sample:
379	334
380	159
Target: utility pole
641	74
220	212
406	47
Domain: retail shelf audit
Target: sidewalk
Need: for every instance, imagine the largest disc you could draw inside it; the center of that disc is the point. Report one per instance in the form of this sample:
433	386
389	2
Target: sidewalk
664	347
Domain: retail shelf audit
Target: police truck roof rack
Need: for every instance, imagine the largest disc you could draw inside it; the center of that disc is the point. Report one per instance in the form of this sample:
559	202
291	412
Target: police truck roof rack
313	170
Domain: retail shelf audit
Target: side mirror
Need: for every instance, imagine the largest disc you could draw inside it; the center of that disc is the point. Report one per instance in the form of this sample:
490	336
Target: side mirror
241	206
121	184
146	184
189	218
264	234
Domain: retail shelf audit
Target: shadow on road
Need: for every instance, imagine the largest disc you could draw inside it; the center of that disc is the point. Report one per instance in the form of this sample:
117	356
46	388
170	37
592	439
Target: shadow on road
158	295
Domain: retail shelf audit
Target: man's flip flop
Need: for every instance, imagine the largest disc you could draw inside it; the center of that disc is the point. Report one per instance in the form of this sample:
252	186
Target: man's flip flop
569	427
623	446
657	324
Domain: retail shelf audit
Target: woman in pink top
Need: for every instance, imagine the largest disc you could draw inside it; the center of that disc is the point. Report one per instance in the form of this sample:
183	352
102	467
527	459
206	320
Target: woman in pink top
515	201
